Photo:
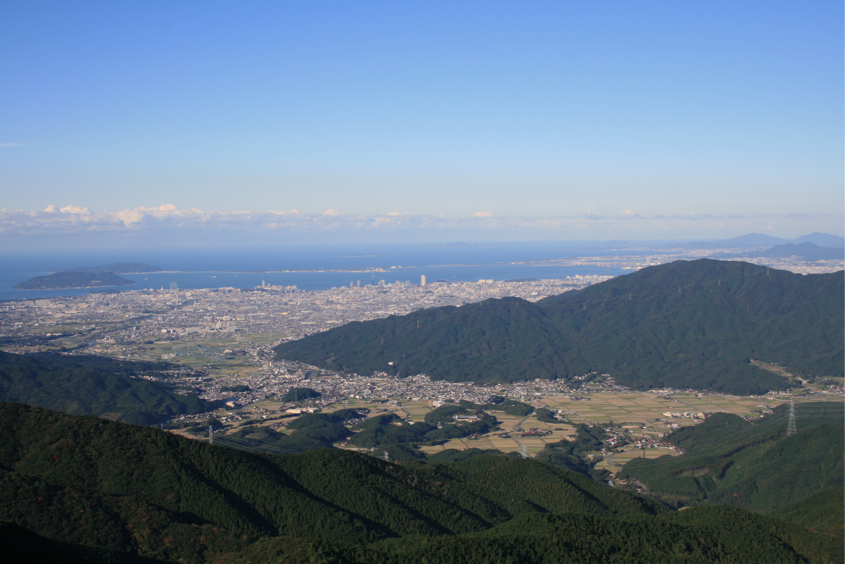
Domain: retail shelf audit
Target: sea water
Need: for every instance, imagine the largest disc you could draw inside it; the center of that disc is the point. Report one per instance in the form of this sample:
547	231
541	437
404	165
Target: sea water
310	267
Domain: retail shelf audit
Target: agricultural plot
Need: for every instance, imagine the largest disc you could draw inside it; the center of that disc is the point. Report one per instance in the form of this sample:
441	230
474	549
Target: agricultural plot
631	414
211	351
637	414
416	409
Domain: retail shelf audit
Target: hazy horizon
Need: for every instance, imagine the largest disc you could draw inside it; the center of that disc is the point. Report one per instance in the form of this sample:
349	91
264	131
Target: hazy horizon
225	124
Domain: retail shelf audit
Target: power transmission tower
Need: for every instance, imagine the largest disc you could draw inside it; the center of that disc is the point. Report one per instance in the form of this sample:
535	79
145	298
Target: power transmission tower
790	428
210	435
386	456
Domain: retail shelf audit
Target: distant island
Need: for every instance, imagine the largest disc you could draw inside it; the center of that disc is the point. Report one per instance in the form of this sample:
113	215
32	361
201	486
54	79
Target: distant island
73	280
87	277
117	268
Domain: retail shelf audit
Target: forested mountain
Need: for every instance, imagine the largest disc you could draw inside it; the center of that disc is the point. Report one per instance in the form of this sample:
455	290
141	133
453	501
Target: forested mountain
701	535
685	324
116	492
120	493
822	512
89	385
751	465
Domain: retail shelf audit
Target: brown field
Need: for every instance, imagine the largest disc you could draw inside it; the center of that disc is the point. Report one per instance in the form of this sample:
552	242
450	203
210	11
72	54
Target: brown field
638	410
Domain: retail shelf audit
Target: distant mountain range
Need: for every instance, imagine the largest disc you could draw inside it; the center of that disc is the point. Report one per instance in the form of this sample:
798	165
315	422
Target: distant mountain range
687	324
806	251
760	240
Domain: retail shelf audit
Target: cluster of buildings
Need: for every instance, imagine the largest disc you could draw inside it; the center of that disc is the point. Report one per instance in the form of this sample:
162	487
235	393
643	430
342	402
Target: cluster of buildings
535	432
337	387
110	320
684	415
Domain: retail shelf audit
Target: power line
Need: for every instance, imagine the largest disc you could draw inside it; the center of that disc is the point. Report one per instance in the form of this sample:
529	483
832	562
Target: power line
790	428
253	445
247	445
255	448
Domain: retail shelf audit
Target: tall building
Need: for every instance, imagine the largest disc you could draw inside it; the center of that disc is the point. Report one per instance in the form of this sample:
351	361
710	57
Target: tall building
422	280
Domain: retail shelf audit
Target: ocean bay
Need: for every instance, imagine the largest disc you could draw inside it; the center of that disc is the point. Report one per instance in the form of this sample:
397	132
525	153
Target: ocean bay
314	268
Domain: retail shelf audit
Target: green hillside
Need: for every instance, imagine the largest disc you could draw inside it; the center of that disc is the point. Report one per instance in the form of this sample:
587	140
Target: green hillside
685	324
756	466
735	537
699	321
823	512
88	385
120	493
128	488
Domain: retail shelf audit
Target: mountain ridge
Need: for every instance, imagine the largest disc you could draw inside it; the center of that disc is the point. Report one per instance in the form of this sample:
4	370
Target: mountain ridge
88	385
686	324
762	240
114	492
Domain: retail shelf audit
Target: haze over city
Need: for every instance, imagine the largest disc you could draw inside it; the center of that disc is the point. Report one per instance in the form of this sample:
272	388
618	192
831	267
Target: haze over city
153	124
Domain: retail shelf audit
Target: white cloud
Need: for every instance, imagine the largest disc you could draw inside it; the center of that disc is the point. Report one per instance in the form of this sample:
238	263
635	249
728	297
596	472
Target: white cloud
72	219
10	144
75	210
633	215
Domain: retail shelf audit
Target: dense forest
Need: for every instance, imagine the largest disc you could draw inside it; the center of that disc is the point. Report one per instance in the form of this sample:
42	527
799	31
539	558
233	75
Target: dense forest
687	324
89	385
753	465
112	492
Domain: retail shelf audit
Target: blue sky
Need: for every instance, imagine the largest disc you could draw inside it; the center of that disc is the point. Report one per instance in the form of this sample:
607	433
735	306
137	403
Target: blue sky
558	119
